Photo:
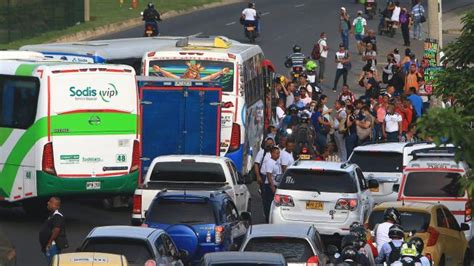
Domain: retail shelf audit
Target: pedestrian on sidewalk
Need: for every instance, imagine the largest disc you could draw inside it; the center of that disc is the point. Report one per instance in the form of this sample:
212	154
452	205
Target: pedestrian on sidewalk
359	28
419	18
392	126
343	65
52	236
339	131
344	27
320	53
405	22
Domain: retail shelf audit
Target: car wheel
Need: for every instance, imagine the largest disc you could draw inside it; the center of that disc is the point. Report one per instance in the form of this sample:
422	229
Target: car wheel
467	258
442	261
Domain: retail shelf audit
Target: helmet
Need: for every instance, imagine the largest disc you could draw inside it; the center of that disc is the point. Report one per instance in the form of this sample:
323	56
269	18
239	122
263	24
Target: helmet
418	243
296	48
396	231
251	5
355	225
151	5
360	233
408	250
304	117
292	108
349	254
348	240
311	65
392	214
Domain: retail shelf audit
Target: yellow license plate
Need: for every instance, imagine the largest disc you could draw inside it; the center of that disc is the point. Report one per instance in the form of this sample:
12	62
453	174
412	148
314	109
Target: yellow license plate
374	189
250	28
314	205
305	156
149	32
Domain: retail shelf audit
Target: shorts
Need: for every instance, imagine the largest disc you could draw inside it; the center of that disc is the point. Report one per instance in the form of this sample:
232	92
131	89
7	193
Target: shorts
359	37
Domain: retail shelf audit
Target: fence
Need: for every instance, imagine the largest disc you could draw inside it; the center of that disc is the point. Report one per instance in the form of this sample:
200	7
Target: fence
21	19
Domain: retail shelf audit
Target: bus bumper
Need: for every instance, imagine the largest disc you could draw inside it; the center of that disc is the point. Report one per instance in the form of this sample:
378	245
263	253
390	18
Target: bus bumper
113	185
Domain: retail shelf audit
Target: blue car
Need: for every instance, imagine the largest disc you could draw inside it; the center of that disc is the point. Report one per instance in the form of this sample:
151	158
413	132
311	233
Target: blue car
200	222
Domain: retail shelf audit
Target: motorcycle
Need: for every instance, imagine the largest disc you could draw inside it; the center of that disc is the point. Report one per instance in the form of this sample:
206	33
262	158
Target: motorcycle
370	8
386	26
296	72
151	28
250	32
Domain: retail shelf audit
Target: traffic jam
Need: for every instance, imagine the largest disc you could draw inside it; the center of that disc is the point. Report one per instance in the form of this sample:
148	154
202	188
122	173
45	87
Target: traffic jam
183	135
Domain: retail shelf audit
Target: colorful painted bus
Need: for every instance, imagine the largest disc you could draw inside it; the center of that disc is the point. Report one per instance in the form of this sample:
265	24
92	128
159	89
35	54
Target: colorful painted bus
66	129
244	75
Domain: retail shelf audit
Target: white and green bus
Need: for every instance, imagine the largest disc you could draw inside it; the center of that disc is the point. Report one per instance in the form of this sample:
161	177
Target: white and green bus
66	129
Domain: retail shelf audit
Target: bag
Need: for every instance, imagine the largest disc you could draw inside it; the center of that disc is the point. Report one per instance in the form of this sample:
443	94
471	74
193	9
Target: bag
394	254
359	26
422	19
316	53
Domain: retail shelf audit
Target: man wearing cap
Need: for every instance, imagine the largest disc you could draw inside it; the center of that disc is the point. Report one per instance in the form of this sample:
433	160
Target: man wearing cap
298	102
344	27
359	27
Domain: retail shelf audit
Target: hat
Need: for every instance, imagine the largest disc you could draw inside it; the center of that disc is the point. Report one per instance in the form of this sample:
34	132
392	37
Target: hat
360	12
343	8
341	45
297	93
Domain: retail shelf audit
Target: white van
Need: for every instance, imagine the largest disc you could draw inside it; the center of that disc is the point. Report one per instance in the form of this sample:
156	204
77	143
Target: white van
435	176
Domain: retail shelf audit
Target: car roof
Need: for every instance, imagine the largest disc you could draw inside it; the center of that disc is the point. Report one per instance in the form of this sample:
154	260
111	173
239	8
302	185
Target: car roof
387	146
333	166
426	206
123	231
286	230
247	256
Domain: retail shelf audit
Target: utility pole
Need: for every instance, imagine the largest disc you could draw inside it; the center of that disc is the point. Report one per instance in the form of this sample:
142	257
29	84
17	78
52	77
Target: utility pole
87	10
435	26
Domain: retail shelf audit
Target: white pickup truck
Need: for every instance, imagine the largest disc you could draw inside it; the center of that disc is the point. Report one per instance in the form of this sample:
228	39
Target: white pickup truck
190	173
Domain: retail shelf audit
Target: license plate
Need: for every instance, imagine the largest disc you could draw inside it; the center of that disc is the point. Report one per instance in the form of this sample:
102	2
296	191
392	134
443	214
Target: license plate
94	185
314	205
374	189
305	156
250	28
369	8
149	32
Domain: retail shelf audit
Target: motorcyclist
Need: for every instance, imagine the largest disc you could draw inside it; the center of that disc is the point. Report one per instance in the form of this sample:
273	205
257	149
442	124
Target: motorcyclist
390	251
364	248
391	216
151	17
304	135
296	59
409	255
350	252
418	243
311	76
249	17
291	119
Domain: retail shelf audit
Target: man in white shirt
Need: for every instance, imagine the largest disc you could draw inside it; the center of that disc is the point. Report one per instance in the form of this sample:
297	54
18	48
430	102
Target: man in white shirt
342	58
272	169
340	117
280	110
286	155
396	13
262	155
250	17
392	126
323	51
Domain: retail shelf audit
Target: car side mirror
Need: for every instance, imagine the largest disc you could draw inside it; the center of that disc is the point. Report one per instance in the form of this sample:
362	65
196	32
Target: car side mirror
246	217
465	227
332	250
373	183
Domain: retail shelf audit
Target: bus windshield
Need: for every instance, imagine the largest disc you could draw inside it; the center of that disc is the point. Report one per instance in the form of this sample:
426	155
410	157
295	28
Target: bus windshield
218	71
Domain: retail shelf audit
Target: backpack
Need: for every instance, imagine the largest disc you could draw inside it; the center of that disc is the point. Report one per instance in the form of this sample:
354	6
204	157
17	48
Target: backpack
394	254
316	53
359	26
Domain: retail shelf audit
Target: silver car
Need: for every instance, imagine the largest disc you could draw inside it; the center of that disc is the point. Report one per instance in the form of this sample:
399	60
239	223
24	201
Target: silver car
297	243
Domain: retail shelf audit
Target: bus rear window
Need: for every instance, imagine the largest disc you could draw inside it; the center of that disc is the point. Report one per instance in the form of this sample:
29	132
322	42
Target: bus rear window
18	101
222	72
433	184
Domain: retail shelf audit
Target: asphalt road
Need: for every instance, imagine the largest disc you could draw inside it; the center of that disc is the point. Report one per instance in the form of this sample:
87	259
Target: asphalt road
284	23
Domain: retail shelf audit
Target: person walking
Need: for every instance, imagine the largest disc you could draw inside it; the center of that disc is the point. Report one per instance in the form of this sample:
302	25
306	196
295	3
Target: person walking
343	64
359	28
418	12
320	53
52	236
405	22
344	27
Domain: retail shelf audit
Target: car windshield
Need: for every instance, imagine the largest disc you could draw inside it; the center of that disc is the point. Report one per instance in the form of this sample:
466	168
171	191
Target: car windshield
433	184
370	161
188	171
410	220
165	211
135	250
316	180
293	249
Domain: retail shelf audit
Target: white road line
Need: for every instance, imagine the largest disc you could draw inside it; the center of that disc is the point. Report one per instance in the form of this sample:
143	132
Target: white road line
300	5
230	23
265	13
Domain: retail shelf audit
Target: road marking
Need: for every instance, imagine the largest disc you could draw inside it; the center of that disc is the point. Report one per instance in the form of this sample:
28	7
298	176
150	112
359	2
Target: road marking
196	34
230	23
300	5
265	13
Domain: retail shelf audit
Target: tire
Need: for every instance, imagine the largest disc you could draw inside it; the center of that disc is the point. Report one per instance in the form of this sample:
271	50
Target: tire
442	261
467	258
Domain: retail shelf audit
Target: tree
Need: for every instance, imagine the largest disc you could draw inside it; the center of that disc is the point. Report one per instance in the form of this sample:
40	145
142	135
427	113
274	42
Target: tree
456	124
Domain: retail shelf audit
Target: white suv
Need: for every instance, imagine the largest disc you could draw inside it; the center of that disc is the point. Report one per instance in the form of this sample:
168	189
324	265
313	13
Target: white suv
385	163
327	194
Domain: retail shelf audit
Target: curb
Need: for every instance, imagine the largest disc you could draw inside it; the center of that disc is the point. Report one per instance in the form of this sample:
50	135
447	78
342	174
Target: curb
131	23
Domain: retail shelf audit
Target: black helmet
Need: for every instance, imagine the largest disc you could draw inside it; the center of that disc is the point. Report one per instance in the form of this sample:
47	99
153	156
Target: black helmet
251	5
392	214
151	5
396	231
296	48
304	117
360	233
355	225
350	254
348	240
293	108
418	242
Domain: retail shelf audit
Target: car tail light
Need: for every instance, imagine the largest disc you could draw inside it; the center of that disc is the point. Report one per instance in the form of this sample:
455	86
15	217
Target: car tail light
235	138
48	159
137	204
304	150
346	204
219	234
468	211
433	237
313	261
135	156
283	200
